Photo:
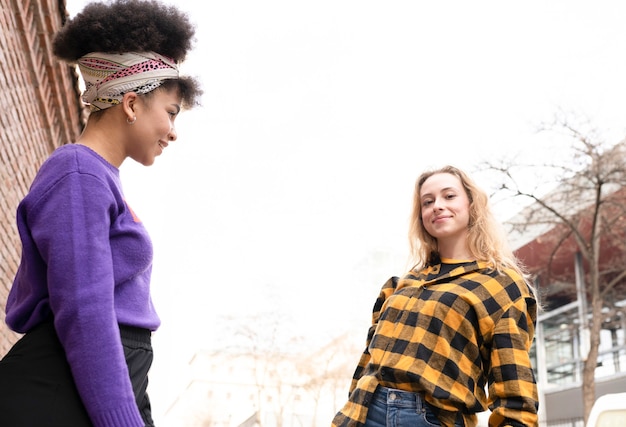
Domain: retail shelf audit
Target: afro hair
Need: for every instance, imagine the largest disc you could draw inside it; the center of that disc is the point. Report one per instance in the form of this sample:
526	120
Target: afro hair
125	26
120	26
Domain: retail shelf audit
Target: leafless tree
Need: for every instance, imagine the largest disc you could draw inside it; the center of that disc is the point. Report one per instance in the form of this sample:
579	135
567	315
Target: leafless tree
576	201
328	370
264	339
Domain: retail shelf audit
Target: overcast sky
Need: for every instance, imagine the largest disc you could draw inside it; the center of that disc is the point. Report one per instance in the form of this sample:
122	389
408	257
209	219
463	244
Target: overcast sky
289	190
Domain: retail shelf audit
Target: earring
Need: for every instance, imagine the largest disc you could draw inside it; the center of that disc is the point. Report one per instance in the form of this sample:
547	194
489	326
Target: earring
131	122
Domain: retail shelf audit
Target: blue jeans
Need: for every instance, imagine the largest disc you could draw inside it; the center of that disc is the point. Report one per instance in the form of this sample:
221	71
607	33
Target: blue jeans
398	408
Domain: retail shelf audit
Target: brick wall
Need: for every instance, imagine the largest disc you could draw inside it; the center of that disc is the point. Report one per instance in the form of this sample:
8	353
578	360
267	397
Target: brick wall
40	109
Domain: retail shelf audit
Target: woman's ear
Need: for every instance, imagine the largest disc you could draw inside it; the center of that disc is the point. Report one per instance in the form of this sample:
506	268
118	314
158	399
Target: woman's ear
129	102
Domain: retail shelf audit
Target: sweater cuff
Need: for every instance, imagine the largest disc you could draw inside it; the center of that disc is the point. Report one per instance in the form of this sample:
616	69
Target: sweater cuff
127	416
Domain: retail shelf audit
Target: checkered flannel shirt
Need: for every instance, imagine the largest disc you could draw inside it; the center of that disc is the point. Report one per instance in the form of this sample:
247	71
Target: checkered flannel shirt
451	331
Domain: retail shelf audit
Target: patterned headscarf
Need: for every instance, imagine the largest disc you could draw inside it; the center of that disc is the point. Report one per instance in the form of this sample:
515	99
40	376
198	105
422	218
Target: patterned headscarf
108	76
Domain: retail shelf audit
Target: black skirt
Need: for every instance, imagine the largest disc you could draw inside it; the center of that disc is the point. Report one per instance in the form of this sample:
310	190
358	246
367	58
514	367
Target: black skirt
37	387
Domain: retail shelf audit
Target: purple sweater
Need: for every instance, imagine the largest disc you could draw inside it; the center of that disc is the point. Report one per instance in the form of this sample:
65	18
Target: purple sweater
86	260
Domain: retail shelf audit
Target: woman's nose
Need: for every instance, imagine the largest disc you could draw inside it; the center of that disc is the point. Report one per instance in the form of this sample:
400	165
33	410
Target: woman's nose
172	135
437	205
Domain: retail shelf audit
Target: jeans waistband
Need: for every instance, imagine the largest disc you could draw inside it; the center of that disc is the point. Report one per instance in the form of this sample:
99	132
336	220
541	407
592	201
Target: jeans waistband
403	398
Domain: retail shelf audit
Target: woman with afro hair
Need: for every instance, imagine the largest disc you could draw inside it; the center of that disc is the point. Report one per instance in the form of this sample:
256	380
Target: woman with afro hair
81	295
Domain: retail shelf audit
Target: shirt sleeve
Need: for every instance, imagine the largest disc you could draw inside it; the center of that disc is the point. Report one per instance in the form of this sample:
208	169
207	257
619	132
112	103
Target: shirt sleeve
513	396
387	290
70	225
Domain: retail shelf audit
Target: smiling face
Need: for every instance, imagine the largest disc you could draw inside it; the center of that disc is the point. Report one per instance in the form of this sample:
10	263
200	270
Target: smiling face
445	208
153	128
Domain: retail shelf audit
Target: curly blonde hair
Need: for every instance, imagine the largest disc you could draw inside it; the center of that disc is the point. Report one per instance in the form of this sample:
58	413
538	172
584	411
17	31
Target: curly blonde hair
486	238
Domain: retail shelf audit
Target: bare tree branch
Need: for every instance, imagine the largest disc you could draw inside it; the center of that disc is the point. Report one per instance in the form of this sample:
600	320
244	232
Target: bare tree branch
577	203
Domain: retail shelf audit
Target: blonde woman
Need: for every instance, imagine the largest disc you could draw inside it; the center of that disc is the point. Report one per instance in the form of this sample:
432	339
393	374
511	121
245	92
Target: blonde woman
452	337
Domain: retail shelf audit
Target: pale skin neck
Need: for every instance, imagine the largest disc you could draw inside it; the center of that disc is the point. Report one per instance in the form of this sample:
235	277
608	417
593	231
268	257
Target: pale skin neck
454	248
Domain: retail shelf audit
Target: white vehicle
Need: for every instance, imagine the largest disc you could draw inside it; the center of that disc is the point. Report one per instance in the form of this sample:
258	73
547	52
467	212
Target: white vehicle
608	411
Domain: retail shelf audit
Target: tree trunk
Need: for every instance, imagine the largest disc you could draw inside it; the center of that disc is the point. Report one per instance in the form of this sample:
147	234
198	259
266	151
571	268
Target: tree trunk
589	370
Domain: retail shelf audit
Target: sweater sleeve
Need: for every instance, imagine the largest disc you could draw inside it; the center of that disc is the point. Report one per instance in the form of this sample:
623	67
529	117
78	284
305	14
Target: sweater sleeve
70	224
388	288
512	387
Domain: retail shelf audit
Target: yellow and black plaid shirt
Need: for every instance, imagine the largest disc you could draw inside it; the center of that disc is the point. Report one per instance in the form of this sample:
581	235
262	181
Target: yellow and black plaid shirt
449	332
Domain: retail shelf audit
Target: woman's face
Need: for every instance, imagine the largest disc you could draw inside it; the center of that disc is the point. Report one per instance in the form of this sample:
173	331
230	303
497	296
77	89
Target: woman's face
444	207
154	128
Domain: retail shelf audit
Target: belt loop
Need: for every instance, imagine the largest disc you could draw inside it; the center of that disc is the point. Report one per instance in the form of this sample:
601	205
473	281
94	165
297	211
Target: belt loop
420	401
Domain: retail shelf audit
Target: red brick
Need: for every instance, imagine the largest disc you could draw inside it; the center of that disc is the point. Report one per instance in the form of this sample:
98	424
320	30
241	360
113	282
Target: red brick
40	109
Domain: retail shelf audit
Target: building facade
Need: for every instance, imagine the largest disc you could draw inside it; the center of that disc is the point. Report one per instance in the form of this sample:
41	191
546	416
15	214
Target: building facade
40	109
562	276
